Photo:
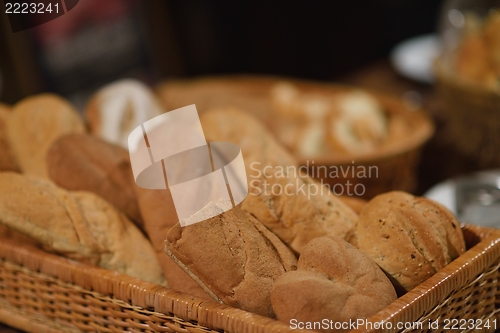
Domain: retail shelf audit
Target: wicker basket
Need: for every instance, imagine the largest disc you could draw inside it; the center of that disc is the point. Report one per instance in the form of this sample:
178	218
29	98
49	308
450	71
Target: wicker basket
395	164
42	292
472	114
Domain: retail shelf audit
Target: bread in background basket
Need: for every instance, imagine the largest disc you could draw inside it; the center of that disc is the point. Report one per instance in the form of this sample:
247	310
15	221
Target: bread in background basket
248	139
468	85
387	156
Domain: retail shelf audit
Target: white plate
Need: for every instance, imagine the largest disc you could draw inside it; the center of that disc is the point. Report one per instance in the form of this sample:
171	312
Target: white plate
474	198
414	57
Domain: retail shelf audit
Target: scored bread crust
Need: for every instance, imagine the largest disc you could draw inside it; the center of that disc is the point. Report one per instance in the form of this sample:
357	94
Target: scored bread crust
295	214
79	225
34	124
410	238
233	257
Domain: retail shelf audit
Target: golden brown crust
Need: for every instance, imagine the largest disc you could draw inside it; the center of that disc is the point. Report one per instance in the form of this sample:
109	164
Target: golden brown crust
118	108
333	281
80	162
35	123
300	209
410	238
233	257
79	225
159	216
7	159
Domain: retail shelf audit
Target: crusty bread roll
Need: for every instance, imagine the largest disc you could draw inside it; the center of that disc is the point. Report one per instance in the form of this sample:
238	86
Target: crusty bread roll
116	109
7	160
79	225
159	216
292	205
35	123
233	257
334	281
81	162
410	238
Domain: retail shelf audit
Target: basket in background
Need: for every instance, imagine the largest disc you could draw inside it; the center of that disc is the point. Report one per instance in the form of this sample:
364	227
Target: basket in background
396	164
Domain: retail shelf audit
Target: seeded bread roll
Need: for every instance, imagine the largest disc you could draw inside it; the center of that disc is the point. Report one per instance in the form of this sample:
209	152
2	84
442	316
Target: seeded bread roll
35	123
333	281
292	205
116	109
80	162
7	160
79	225
233	257
410	238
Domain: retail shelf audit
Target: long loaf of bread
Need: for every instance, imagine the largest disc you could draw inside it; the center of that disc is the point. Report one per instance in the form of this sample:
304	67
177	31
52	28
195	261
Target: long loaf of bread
292	205
234	257
81	162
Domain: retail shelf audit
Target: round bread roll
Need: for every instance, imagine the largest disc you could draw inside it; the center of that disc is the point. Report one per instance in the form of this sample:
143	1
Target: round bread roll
334	283
34	124
116	109
410	238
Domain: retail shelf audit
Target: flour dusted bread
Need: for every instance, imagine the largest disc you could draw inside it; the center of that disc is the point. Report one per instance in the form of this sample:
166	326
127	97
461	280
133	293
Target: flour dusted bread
333	281
233	257
410	238
298	208
7	160
79	225
116	109
35	123
81	162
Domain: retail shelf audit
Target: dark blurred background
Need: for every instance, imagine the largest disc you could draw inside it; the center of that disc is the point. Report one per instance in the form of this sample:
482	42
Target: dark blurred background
100	41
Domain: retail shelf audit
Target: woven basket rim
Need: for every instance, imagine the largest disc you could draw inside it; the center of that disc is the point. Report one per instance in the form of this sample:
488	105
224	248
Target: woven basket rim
258	85
216	316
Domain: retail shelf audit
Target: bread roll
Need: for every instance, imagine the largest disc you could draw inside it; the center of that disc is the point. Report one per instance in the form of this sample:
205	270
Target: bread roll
116	109
80	162
410	238
7	160
300	209
35	123
233	257
334	281
79	225
159	216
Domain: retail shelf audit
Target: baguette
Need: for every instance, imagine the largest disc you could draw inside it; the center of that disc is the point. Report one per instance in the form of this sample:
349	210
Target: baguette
80	162
233	257
294	215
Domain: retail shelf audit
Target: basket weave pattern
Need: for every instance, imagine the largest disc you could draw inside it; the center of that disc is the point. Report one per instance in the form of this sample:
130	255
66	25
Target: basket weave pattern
473	116
41	292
